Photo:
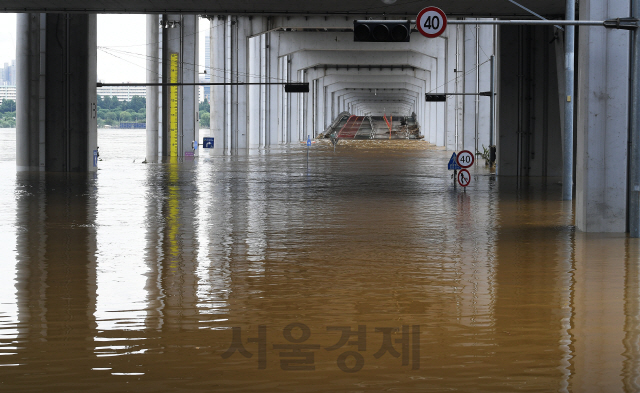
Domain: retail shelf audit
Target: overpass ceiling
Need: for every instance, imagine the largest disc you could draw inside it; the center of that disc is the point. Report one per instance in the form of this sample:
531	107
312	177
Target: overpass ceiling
408	8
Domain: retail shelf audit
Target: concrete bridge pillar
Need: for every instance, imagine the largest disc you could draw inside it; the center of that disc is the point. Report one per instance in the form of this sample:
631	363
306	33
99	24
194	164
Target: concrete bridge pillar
220	45
274	92
179	103
256	93
240	26
236	57
56	105
153	98
603	102
528	141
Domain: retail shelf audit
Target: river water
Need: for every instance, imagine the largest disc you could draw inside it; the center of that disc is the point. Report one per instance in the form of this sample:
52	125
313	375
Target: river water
359	270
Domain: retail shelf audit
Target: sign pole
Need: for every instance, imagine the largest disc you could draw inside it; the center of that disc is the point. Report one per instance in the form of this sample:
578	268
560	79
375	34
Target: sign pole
308	145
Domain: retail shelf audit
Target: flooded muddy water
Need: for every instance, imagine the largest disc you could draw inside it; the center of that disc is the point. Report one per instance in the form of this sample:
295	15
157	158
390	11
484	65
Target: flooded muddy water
363	270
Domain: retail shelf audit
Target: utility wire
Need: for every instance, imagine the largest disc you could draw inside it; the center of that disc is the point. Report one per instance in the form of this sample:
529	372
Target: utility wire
222	71
457	77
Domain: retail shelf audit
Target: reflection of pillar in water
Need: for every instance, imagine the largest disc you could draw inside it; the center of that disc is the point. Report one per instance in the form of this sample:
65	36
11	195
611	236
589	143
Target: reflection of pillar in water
529	281
56	270
599	314
566	260
214	207
179	257
256	215
477	265
631	370
153	250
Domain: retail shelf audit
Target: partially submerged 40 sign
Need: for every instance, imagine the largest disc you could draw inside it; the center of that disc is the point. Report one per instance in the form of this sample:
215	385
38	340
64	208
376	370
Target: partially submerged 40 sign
431	22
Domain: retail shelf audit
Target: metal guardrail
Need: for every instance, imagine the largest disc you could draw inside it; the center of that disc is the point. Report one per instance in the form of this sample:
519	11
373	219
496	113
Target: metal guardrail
335	123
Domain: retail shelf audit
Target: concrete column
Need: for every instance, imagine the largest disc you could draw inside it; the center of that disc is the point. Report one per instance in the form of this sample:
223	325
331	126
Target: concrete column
255	42
485	46
320	118
183	41
440	77
603	101
190	101
153	64
228	104
71	107
283	107
31	42
239	70
254	93
273	91
263	90
470	86
450	35
511	101
218	70
309	100
56	96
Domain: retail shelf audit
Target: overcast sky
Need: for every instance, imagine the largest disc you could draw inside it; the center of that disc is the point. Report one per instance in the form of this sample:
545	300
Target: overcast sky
123	39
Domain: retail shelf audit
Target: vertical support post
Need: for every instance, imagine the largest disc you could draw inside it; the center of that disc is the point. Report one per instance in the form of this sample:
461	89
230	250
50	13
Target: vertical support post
28	54
567	171
492	103
634	131
153	49
218	71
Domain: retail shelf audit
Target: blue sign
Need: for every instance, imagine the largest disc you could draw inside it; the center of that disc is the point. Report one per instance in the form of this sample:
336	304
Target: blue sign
207	143
308	140
453	164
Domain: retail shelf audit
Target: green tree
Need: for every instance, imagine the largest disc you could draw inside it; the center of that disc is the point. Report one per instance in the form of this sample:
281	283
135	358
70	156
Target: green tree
137	103
105	103
205	120
204	106
125	116
8	106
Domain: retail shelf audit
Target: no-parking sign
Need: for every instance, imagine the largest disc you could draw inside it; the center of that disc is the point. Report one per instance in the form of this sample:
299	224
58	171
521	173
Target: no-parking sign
431	22
464	177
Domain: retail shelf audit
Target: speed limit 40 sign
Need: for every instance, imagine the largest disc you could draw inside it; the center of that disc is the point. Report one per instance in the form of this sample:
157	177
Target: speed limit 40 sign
431	22
465	159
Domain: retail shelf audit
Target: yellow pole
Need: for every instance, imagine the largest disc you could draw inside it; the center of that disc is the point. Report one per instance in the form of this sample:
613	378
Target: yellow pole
173	106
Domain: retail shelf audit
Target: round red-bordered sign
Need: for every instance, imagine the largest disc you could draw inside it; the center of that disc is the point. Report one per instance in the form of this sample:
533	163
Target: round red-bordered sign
465	159
464	177
431	22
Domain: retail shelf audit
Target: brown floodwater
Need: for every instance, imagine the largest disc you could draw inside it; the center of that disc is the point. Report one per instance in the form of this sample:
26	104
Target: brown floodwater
363	270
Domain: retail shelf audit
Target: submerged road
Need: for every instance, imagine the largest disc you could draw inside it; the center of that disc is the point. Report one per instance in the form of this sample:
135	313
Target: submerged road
368	271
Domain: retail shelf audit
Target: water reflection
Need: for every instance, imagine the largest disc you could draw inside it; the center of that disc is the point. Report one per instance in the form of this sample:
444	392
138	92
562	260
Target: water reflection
56	274
599	313
137	277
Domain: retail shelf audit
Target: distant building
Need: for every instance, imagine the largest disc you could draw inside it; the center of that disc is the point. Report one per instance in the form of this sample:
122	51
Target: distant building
7	93
124	93
8	74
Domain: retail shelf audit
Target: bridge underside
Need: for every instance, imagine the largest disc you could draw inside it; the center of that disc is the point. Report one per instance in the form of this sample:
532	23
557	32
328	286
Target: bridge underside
257	41
457	8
